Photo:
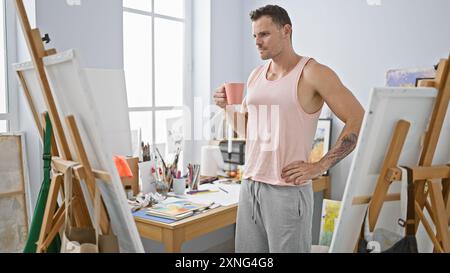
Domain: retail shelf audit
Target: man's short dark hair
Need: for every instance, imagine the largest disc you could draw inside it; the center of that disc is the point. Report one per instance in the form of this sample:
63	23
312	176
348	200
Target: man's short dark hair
278	14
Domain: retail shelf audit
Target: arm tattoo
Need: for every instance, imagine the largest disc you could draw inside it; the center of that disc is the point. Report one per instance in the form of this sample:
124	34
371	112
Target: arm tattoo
343	148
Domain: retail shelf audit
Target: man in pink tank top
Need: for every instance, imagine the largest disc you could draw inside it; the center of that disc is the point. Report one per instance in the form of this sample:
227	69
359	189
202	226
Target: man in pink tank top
281	109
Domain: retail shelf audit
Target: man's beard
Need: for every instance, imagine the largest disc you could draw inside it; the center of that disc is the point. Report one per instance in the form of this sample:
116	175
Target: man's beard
264	57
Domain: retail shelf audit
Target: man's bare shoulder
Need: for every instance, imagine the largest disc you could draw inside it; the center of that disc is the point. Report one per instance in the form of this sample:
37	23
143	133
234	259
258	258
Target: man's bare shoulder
315	72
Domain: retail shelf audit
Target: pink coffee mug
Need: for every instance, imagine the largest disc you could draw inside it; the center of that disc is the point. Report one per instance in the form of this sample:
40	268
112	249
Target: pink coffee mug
235	93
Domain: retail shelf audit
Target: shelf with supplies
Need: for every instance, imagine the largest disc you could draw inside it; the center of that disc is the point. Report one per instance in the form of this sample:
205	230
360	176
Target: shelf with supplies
237	155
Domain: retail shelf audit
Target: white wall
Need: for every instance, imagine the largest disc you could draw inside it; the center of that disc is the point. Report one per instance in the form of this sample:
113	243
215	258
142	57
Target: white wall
226	42
94	28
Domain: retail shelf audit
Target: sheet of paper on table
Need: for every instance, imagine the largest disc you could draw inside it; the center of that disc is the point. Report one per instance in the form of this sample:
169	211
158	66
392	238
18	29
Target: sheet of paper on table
219	196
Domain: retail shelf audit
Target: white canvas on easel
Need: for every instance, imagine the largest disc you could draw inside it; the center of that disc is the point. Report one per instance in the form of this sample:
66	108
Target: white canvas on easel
108	91
109	94
386	107
104	130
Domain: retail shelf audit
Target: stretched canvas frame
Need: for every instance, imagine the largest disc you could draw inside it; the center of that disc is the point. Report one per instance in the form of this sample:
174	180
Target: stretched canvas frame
322	141
386	107
73	92
15	201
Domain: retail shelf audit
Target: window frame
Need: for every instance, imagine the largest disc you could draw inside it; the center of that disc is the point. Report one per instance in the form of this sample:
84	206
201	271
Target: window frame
187	100
11	85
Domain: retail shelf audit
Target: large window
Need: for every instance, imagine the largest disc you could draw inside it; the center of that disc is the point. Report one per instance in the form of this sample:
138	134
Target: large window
4	122
155	57
8	98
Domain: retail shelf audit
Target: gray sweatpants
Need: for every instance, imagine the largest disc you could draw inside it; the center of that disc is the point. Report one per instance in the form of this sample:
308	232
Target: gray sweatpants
274	218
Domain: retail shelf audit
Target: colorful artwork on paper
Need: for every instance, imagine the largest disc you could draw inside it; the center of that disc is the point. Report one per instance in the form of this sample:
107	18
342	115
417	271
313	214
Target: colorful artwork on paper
330	213
408	77
317	151
175	208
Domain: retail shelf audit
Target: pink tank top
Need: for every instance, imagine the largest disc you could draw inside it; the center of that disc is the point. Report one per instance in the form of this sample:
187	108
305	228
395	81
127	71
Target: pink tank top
279	131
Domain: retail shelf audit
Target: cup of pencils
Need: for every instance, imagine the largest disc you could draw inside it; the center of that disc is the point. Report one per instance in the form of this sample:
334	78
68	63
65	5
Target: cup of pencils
168	171
193	176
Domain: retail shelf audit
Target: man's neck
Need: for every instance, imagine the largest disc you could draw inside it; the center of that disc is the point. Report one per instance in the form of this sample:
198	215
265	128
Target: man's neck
284	62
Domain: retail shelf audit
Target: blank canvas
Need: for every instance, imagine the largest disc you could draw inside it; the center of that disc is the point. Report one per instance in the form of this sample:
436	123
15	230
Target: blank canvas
97	100
14	197
386	107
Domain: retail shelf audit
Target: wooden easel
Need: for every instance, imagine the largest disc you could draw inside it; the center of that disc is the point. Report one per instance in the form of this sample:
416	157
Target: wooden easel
62	157
430	181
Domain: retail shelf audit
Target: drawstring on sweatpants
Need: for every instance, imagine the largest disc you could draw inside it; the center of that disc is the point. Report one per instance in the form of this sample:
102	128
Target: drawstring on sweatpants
254	193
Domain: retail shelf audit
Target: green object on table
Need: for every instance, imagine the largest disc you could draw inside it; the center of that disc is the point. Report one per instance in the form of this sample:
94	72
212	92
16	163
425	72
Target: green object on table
36	223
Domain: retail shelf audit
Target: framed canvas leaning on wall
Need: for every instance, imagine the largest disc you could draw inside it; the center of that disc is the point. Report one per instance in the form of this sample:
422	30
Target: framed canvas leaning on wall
321	142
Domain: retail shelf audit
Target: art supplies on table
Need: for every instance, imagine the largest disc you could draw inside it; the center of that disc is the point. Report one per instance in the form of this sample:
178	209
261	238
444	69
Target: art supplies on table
146	155
174	195
166	172
171	171
194	176
179	186
224	190
161	158
145	200
227	181
176	210
122	166
156	173
208	180
162	187
215	194
201	192
178	216
143	215
147	177
133	181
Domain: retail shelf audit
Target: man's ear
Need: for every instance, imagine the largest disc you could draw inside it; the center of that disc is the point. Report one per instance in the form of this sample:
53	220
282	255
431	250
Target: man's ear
287	30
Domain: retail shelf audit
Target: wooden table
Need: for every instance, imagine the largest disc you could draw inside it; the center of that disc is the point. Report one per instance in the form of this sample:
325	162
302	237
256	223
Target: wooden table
175	234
